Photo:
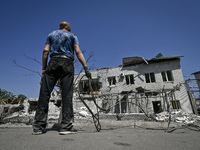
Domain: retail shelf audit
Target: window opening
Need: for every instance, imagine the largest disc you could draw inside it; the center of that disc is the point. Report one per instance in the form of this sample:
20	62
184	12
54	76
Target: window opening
176	104
167	75
84	87
150	77
157	106
129	79
111	80
121	106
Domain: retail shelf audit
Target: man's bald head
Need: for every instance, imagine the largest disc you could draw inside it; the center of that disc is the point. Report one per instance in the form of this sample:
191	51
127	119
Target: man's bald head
64	25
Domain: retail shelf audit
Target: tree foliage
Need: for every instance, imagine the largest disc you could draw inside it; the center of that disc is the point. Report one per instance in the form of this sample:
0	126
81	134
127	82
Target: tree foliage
4	94
21	96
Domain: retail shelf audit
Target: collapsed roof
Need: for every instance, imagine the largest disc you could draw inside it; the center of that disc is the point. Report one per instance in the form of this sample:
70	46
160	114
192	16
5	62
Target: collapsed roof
127	61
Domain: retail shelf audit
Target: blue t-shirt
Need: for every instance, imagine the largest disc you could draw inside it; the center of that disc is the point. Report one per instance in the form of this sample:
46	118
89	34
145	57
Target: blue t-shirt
62	43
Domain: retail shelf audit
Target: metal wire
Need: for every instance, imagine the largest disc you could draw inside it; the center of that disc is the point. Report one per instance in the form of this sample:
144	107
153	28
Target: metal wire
96	116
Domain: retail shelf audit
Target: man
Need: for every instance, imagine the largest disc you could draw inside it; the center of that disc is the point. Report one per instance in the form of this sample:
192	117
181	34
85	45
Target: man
60	44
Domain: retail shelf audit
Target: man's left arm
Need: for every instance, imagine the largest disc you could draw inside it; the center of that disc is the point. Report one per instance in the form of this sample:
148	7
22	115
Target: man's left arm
45	57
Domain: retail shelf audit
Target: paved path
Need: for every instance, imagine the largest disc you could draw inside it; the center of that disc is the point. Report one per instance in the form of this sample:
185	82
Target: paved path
119	138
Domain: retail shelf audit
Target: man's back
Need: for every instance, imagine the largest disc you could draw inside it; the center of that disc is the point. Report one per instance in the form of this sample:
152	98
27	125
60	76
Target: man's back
62	43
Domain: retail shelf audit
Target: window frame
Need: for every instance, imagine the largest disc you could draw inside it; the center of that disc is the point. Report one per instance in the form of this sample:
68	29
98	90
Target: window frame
150	77
112	80
167	76
176	104
85	87
129	79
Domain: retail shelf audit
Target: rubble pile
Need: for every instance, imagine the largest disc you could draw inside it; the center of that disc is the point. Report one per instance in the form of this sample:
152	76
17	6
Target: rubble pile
9	112
177	116
17	111
18	117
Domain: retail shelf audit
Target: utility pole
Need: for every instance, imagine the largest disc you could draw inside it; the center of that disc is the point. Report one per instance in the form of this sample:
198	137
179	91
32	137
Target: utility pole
192	99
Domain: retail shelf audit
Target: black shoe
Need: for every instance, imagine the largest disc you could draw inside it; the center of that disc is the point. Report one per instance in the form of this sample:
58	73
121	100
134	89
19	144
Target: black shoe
65	132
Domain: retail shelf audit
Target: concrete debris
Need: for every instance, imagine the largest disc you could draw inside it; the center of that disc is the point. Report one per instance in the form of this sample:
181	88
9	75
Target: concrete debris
20	113
177	116
82	112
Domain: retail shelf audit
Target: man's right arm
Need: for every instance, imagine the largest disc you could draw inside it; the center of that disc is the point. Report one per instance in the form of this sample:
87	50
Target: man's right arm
45	57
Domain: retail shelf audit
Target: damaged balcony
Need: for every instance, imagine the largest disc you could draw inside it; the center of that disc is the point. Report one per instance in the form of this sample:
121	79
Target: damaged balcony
84	91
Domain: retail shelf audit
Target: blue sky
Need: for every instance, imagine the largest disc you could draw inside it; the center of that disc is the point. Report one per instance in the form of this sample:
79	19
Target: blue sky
113	29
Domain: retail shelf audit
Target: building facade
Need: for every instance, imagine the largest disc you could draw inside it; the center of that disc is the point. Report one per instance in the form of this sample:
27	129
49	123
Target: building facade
139	85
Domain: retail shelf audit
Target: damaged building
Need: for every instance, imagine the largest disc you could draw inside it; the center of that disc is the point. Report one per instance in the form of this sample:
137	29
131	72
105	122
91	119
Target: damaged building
138	86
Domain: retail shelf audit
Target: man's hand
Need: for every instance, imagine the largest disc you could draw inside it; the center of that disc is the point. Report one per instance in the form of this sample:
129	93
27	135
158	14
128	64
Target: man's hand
87	73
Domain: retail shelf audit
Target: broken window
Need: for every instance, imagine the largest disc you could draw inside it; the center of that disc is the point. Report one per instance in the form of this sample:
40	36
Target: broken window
84	87
150	77
167	75
111	80
176	104
121	106
129	79
157	106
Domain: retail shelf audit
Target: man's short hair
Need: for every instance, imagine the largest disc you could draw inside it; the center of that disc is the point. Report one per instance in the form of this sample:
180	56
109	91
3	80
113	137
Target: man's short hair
64	24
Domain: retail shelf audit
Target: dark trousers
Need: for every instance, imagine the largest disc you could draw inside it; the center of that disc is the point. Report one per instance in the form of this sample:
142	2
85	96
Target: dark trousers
63	69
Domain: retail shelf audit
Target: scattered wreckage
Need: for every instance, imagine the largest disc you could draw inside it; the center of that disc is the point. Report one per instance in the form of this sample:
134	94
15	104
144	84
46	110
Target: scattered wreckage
20	113
177	116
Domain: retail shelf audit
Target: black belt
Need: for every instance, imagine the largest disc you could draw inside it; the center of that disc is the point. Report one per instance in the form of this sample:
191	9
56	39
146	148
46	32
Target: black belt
60	56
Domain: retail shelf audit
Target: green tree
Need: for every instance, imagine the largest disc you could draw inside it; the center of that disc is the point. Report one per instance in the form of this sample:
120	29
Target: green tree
23	97
5	94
